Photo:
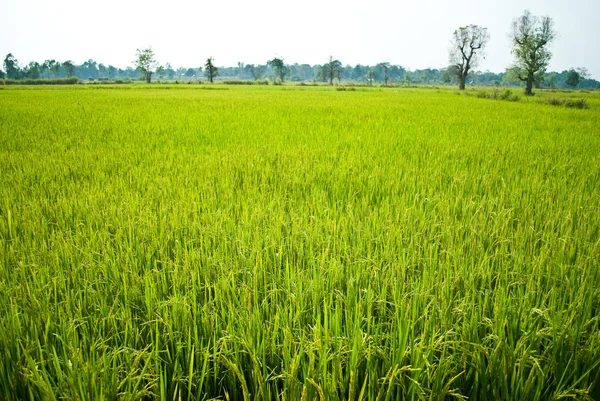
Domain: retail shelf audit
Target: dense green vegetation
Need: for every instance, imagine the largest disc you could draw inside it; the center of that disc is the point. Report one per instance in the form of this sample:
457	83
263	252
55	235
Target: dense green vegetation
382	73
261	242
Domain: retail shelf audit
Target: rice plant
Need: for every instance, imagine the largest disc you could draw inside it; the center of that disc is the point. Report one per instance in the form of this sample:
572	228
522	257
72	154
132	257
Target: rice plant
296	243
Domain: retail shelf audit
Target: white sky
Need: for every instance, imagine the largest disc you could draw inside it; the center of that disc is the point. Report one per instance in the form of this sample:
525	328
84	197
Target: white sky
414	34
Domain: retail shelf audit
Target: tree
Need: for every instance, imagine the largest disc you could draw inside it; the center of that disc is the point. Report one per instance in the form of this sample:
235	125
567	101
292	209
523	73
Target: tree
210	70
55	68
112	71
385	67
450	74
531	36
551	80
33	70
47	66
11	66
169	71
69	68
468	43
91	68
2	74
145	63
240	69
280	68
369	77
255	70
583	73
573	78
160	70
332	70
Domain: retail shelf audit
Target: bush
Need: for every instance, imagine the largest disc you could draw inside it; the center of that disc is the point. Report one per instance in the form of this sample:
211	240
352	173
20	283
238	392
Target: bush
554	101
496	94
507	94
244	82
571	103
29	81
577	104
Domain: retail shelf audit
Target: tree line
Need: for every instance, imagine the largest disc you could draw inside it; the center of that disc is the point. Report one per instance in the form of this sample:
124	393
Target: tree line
531	36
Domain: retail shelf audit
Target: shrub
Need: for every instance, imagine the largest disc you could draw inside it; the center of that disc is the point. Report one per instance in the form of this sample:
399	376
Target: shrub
554	101
577	104
507	94
245	82
571	103
29	81
496	94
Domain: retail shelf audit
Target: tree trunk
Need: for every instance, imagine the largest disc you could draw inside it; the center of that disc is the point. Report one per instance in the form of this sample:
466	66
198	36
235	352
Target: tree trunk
529	88
461	84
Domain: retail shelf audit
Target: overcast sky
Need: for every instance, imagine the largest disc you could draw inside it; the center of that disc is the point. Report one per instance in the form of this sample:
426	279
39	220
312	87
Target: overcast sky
414	34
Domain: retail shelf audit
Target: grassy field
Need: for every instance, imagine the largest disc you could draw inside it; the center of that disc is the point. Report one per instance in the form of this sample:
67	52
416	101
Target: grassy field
294	243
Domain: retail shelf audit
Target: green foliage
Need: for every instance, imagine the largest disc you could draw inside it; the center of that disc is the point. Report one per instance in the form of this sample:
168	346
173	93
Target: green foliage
567	102
298	243
29	81
245	82
280	69
210	70
573	78
332	70
11	66
145	63
531	37
498	94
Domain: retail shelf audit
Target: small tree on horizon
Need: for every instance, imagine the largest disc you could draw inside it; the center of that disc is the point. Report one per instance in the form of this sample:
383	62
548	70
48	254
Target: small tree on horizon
573	78
210	70
256	70
332	70
280	68
11	67
145	63
69	68
468	43
385	67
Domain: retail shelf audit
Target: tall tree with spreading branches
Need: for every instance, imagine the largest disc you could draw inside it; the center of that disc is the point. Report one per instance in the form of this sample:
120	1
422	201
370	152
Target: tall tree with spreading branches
531	36
467	46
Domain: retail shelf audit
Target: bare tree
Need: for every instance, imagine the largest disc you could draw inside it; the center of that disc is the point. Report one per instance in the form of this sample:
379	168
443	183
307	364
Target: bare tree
467	45
531	36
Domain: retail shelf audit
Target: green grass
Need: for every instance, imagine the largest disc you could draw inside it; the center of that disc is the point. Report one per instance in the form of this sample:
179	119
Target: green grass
297	243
